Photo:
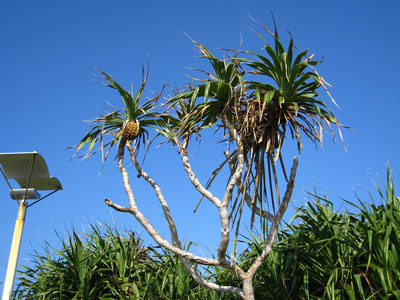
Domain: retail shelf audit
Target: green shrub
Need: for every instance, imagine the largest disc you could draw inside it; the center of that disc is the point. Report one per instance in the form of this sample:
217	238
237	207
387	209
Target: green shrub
324	254
104	264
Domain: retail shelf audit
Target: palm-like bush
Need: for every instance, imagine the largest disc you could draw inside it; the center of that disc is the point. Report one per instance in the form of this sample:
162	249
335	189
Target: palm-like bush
99	265
104	264
266	98
282	98
324	254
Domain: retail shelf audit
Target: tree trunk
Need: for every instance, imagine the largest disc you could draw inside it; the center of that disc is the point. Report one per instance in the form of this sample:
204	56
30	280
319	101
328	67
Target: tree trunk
248	291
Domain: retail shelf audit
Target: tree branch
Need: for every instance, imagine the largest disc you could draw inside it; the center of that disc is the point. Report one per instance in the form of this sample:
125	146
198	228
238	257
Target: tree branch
262	213
275	224
237	174
194	180
118	207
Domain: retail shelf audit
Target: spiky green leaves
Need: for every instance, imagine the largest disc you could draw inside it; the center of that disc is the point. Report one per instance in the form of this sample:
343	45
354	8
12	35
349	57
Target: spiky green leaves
201	106
266	97
128	123
292	99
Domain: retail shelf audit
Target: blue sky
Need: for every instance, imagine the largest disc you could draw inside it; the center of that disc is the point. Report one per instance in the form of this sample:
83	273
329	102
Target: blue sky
48	54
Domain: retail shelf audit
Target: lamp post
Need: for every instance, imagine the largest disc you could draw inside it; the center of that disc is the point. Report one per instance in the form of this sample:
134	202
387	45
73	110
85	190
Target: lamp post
30	171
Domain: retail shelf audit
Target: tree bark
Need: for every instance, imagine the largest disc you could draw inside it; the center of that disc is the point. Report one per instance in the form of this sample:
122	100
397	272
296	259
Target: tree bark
248	289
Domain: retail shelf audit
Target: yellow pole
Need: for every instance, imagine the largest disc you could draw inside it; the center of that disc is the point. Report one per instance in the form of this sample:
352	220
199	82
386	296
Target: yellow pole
12	261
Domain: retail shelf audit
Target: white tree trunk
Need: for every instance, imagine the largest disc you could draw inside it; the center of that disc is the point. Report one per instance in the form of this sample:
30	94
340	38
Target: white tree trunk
248	290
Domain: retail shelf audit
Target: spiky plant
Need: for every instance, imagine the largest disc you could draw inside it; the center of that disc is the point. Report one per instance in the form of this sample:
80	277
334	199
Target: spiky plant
281	98
329	254
221	92
284	101
122	125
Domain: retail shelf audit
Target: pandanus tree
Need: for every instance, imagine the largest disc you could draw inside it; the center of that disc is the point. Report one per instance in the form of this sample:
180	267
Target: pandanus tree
255	101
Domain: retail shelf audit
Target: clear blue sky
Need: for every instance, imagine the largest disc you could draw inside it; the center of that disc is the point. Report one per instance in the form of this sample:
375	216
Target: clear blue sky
48	54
